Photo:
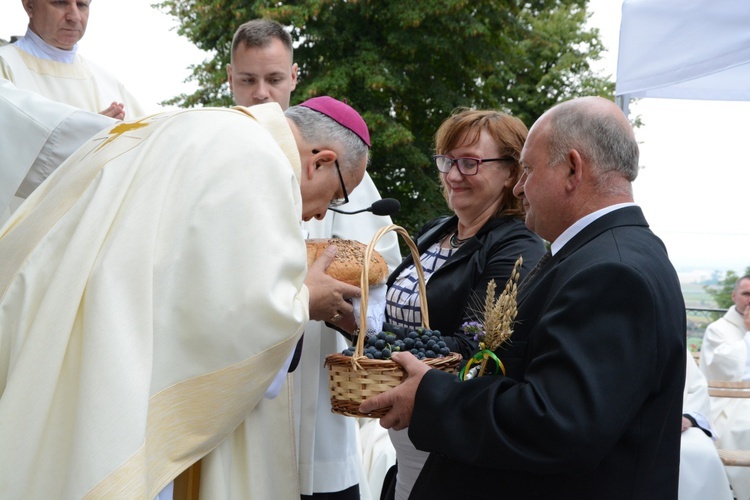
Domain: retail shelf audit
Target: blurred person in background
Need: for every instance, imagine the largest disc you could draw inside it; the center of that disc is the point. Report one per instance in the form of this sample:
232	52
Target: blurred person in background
702	473
725	355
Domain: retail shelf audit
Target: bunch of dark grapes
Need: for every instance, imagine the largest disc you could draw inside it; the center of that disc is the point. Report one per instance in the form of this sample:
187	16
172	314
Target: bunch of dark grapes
421	342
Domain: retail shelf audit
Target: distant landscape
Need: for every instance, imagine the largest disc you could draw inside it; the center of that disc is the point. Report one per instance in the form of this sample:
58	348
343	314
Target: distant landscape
696	296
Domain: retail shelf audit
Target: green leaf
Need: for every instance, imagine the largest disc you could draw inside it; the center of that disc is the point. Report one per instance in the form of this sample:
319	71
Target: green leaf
407	65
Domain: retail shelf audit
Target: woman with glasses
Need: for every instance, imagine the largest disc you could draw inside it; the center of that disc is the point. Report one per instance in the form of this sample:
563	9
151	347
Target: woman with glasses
477	161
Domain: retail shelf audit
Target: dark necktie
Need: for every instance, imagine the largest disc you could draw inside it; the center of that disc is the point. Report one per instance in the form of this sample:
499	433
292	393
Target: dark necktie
532	274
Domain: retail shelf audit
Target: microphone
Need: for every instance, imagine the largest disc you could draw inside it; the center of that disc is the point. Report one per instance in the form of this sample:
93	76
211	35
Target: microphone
386	206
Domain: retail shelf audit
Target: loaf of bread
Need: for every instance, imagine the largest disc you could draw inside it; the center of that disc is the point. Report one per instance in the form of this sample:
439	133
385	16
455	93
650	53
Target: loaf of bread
350	256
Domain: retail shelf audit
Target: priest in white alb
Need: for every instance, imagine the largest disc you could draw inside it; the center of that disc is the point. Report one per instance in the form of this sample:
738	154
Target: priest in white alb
46	61
725	356
702	474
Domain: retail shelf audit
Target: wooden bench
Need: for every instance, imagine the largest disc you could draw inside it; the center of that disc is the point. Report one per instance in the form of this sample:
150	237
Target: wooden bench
722	389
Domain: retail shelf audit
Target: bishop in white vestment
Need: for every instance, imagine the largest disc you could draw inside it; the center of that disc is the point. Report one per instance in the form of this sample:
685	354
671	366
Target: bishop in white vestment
150	290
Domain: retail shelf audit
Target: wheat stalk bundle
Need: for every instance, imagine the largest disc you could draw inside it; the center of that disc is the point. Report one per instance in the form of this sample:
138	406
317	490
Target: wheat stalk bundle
499	316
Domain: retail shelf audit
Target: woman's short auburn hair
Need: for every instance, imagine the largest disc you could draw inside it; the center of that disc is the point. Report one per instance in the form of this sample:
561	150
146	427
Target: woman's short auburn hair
464	127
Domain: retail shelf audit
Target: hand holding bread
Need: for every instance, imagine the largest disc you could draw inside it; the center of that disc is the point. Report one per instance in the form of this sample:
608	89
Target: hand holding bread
329	297
347	266
332	281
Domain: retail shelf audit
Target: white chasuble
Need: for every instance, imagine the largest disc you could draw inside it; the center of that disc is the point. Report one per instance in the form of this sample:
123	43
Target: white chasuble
82	83
36	135
150	290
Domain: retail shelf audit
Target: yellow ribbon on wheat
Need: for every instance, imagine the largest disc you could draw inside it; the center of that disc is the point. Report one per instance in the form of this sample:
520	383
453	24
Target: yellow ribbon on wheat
482	357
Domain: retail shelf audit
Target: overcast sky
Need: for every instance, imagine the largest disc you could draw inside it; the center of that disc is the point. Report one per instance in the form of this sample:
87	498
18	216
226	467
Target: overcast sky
696	172
694	185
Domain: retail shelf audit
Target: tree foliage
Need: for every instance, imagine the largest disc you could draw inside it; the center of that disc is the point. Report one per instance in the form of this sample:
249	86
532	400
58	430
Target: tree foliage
407	65
722	293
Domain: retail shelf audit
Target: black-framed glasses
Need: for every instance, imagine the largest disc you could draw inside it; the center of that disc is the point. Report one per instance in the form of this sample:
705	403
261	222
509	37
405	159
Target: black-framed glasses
466	164
337	202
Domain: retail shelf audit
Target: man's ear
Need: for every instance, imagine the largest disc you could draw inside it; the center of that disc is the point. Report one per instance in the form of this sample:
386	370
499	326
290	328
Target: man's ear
323	156
28	6
575	166
318	159
295	68
229	78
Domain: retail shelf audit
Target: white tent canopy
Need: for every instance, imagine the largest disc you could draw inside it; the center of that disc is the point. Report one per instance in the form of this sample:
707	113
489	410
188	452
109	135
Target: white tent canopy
684	49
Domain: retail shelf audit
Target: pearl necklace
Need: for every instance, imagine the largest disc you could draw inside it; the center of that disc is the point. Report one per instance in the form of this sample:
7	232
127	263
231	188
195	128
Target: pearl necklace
456	242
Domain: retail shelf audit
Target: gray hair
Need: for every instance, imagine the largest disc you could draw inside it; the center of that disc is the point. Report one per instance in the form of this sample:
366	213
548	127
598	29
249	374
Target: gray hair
322	131
601	139
258	33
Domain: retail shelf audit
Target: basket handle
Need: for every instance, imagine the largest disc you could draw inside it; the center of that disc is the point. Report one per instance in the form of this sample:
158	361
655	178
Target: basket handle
359	349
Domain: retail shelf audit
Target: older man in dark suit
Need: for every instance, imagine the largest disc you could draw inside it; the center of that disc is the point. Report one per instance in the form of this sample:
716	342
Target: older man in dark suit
591	404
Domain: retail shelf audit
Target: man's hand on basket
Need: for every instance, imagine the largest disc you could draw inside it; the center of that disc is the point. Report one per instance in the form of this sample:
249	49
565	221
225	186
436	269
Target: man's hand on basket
329	297
401	398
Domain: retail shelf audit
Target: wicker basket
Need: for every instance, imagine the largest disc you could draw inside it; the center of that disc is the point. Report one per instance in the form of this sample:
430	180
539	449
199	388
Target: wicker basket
352	379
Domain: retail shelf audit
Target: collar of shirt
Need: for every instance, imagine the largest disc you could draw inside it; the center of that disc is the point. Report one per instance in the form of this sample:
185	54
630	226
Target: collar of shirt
34	45
581	223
